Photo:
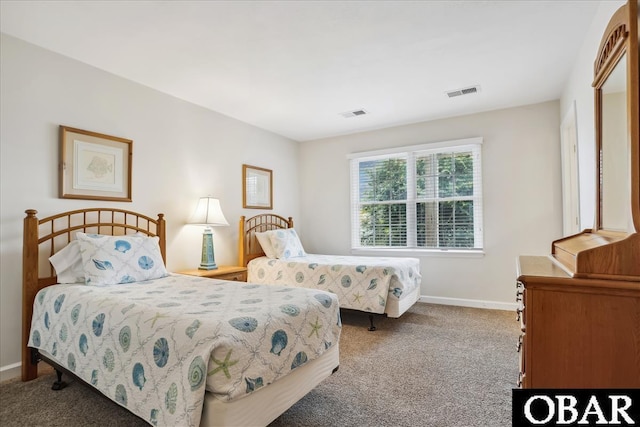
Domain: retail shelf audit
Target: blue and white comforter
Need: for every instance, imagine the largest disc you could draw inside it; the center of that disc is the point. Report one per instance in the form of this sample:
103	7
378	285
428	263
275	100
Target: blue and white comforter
361	283
155	346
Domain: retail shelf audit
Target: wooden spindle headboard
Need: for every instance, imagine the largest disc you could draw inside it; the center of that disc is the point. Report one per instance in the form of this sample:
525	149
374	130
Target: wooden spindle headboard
44	237
248	246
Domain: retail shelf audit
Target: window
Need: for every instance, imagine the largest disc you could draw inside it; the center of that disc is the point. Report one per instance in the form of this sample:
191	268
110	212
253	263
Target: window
426	197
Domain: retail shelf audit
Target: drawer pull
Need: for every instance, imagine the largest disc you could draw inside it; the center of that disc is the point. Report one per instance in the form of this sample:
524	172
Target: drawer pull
519	291
519	311
520	342
519	382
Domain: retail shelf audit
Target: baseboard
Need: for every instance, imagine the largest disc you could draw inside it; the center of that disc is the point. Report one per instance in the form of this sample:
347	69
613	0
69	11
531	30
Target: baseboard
494	305
10	371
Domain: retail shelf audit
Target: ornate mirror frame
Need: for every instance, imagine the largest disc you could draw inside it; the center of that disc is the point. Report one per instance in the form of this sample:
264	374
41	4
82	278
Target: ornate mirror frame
620	39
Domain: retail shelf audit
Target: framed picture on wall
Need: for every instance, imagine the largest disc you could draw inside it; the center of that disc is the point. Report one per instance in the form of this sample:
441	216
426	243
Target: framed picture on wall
257	187
94	166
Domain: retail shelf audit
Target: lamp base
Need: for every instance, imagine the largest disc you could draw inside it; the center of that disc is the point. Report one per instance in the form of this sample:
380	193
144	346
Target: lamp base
208	261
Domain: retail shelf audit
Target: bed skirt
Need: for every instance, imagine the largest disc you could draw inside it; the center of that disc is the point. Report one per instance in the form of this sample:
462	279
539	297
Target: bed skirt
263	406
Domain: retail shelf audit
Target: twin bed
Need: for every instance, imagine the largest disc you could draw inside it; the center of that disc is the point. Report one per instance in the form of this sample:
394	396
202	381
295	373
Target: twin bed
99	305
374	285
172	349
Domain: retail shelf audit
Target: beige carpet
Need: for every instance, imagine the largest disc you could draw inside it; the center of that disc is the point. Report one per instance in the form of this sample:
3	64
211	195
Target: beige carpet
435	366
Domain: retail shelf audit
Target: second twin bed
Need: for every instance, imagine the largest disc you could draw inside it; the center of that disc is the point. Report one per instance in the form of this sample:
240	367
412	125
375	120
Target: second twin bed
271	250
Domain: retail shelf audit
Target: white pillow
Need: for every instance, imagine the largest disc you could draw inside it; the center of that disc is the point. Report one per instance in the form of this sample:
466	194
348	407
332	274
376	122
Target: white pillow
265	243
286	243
111	260
68	263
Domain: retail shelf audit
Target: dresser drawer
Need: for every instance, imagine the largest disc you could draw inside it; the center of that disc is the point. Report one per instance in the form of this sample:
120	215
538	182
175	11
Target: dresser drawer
521	295
232	273
240	276
522	361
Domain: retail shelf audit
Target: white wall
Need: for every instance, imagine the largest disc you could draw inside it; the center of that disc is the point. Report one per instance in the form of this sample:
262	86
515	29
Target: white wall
579	89
180	152
521	184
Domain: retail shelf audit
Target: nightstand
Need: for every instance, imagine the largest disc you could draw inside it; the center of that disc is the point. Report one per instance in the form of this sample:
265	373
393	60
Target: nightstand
223	272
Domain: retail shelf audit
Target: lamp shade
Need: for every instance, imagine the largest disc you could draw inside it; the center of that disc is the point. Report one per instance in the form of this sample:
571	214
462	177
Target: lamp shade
208	213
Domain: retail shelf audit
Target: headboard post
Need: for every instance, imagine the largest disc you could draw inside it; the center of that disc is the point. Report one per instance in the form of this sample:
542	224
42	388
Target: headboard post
241	238
161	233
29	288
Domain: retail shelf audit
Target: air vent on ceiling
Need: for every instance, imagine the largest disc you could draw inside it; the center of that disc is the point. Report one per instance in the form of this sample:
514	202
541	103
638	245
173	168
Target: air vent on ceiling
354	113
465	91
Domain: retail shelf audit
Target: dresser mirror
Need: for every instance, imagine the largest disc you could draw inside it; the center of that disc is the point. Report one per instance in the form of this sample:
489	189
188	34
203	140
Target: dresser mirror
611	250
615	191
616	117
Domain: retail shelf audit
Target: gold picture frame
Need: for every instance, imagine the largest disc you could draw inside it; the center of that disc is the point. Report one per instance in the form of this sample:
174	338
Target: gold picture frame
257	187
94	166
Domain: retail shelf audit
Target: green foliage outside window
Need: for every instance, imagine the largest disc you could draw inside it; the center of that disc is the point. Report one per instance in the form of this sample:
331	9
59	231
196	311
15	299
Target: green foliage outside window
383	224
443	201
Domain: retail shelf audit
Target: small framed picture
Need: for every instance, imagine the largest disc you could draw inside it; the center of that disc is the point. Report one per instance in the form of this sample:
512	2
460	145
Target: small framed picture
257	187
94	166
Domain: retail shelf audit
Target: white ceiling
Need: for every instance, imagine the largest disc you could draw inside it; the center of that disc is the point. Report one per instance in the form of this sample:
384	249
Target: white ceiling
292	67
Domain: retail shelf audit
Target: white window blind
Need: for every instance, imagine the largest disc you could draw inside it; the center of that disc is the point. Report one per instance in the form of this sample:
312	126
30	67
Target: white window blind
421	197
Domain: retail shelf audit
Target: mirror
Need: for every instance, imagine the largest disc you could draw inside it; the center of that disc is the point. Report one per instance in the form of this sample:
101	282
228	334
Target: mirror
617	124
615	191
611	250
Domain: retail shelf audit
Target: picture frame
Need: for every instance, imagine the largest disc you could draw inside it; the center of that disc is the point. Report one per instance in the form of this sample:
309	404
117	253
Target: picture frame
257	187
94	166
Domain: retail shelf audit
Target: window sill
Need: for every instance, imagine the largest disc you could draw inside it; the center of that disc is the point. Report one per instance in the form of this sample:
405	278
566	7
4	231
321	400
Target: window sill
449	253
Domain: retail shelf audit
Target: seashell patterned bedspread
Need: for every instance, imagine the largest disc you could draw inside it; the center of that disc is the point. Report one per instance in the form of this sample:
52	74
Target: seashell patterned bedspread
361	283
153	347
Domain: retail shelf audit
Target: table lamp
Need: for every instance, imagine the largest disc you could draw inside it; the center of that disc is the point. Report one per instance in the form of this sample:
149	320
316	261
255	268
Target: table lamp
208	213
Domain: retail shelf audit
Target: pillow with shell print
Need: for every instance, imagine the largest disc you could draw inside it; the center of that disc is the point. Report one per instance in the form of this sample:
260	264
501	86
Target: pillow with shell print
109	260
286	243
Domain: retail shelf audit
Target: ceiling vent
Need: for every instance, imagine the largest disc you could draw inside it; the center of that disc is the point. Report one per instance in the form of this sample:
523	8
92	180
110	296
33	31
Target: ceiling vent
465	91
354	113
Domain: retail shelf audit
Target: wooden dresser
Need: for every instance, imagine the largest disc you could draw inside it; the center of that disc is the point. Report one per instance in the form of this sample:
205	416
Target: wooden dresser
576	333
